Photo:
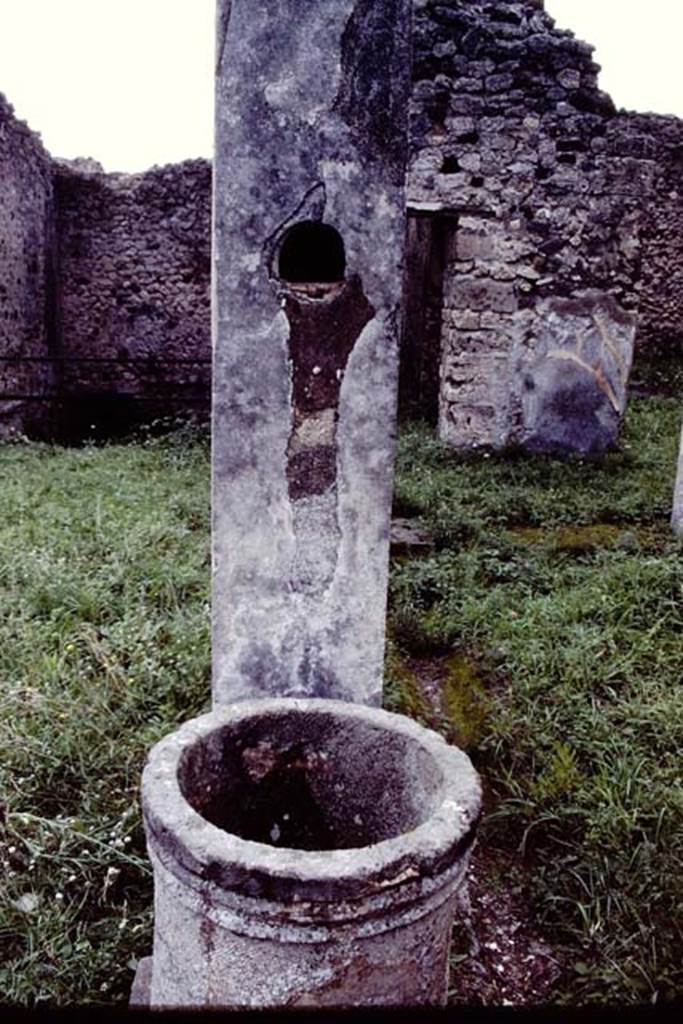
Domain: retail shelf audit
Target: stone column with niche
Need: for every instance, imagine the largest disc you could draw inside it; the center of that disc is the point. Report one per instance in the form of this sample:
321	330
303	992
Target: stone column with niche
309	223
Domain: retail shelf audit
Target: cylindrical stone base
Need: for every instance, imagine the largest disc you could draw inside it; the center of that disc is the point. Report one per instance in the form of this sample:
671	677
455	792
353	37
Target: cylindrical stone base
305	853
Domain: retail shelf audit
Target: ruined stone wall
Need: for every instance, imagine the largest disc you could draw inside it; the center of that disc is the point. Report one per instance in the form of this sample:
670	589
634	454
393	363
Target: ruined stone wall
542	221
26	278
514	141
660	320
134	255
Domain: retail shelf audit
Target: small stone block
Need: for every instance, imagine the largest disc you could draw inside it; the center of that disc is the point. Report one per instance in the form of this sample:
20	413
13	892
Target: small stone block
409	537
142	983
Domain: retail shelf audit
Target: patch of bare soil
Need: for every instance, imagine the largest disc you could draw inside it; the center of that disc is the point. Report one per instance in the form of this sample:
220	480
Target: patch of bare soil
429	673
500	957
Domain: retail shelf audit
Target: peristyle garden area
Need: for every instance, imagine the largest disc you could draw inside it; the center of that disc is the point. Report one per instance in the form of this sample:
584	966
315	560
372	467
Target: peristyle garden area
543	632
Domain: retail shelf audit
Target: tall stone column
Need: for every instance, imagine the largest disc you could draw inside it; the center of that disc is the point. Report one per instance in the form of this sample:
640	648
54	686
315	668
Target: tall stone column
677	514
311	112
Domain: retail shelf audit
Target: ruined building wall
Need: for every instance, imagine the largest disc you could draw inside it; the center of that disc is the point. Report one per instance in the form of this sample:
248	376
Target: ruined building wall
538	215
134	256
515	143
660	320
27	326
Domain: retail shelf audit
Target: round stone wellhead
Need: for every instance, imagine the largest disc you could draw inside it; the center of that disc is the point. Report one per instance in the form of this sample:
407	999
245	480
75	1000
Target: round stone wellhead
300	848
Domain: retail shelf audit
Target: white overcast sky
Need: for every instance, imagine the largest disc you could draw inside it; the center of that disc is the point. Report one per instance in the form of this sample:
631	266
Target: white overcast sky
130	82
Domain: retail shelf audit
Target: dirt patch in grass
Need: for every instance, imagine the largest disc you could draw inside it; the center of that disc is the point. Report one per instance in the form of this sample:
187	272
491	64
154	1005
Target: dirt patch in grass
499	957
453	690
428	676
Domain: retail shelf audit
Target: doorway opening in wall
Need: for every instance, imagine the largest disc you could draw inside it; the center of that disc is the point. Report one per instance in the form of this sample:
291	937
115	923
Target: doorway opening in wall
312	253
429	237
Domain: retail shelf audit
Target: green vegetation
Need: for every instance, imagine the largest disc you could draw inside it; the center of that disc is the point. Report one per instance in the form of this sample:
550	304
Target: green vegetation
405	695
466	703
104	647
558	651
577	722
658	369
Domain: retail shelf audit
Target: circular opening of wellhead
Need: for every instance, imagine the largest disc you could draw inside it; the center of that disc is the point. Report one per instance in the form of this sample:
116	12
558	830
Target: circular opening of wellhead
310	781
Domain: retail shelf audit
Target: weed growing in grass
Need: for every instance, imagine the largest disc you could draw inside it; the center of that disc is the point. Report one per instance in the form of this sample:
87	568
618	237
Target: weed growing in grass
403	692
466	702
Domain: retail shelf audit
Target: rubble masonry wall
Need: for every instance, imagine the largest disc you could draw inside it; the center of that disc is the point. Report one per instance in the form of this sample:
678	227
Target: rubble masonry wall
526	189
27	277
134	257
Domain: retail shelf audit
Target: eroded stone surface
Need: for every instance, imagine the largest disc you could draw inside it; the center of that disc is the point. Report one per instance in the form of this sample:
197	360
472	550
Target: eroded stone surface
574	383
27	280
307	152
141	988
410	537
134	266
660	312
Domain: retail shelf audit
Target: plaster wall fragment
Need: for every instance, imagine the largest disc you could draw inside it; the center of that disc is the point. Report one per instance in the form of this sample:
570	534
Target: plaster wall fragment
574	385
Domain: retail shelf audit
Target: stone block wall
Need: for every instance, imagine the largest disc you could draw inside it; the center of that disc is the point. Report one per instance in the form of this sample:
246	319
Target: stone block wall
134	258
514	141
27	279
660	319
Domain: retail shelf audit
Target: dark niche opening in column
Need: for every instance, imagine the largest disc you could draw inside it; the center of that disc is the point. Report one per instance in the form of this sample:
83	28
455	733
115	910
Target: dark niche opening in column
312	253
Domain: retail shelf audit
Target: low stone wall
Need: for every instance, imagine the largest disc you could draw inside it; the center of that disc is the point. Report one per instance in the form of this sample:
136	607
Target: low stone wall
134	255
27	279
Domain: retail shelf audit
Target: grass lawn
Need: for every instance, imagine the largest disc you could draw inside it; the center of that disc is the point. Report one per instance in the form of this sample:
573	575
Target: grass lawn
552	607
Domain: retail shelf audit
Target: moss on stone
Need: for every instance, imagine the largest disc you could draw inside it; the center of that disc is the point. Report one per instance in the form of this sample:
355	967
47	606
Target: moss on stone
466	704
402	690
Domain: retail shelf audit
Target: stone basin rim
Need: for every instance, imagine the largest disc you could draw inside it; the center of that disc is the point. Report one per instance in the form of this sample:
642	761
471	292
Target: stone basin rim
180	834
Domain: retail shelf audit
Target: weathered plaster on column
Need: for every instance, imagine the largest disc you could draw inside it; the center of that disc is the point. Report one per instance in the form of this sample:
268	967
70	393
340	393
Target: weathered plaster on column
310	127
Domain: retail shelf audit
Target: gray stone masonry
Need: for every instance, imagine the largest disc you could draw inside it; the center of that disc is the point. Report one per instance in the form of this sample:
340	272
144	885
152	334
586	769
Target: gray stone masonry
660	314
27	279
514	143
308	236
134	264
